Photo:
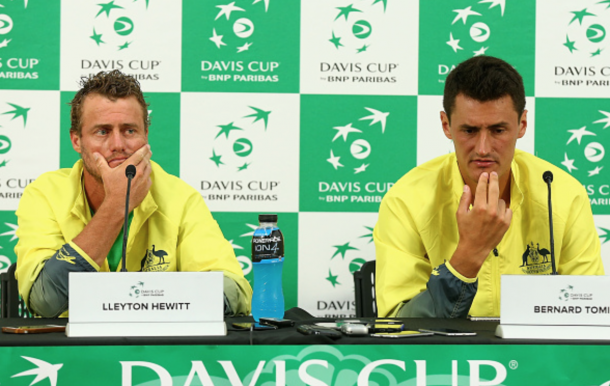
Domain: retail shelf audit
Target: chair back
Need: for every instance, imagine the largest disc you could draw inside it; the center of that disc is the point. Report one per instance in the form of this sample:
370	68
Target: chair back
11	304
364	286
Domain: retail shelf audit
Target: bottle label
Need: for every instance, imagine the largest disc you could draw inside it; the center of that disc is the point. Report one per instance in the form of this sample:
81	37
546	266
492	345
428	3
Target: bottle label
267	243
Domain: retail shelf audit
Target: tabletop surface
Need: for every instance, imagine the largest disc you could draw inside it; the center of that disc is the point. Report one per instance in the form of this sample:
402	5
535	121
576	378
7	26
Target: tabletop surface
283	336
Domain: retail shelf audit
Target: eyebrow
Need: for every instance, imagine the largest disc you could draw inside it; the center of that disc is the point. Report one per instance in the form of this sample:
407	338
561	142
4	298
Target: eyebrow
107	125
494	125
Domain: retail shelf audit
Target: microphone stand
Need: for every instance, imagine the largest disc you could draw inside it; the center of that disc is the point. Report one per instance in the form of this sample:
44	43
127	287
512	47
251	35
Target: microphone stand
130	172
548	178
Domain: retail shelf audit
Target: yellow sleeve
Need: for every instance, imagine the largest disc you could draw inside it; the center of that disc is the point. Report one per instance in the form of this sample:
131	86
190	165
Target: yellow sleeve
402	268
40	237
581	249
202	247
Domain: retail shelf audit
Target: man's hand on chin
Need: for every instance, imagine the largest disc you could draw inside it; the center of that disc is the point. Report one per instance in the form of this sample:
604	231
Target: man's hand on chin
482	227
115	183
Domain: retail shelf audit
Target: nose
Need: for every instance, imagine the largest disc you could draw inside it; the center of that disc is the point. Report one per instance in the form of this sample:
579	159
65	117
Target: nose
116	142
483	145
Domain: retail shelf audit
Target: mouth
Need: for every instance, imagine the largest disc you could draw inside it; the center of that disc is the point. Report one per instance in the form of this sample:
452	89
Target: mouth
113	163
483	163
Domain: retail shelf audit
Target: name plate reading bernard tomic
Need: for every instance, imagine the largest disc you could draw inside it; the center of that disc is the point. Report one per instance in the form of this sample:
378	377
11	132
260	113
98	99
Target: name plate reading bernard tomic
554	307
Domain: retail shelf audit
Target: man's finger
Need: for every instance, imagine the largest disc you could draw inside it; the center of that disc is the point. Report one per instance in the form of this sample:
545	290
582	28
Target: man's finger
465	200
480	197
494	187
493	192
101	163
508	217
147	154
501	207
140	155
145	161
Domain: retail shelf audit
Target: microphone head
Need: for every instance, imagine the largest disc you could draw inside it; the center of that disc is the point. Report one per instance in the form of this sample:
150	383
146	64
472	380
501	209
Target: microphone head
547	176
130	171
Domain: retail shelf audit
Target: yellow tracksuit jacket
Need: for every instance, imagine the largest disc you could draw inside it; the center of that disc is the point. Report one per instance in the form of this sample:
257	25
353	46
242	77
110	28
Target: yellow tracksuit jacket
417	232
172	230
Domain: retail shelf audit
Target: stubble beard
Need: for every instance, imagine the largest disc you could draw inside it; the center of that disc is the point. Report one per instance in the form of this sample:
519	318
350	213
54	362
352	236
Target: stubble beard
89	163
87	159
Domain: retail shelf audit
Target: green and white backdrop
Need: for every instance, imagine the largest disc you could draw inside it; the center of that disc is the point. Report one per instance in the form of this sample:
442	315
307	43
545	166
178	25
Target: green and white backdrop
310	109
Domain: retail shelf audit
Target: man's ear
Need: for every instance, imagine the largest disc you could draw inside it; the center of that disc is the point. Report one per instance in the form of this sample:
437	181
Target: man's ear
522	124
446	125
75	139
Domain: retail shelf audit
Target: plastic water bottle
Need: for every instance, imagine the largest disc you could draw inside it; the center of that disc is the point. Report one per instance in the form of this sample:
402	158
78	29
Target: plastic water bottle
267	263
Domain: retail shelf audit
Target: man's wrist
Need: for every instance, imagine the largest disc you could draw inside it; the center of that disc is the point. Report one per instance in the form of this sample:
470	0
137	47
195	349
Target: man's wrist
468	262
113	210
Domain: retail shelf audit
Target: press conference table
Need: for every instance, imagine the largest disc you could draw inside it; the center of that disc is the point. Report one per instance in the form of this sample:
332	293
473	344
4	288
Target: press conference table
286	357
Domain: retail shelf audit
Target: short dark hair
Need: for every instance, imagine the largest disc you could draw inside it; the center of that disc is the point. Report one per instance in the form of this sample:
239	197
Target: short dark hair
484	78
111	84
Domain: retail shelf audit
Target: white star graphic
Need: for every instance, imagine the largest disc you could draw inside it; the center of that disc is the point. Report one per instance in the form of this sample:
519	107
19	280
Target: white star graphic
249	234
11	232
343	131
377	116
245	47
5	43
569	163
577	134
235	246
217	39
463	14
334	160
501	3
454	43
227	9
361	168
266	4
44	370
481	51
604	120
595	171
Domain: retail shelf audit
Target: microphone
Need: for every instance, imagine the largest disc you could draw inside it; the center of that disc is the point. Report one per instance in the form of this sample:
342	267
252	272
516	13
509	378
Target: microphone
548	178
130	172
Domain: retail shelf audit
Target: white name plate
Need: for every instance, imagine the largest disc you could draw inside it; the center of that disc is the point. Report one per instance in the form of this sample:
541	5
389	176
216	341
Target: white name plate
146	304
555	300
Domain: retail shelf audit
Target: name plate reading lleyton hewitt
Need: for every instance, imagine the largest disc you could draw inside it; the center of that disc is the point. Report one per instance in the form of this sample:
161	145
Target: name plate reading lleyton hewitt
555	307
146	304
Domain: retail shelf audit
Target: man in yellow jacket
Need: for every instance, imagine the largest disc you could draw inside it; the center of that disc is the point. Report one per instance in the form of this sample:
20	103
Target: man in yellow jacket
449	228
71	220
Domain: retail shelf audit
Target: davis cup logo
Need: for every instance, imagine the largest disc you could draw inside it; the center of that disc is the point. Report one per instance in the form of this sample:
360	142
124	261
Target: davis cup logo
584	155
232	148
6	26
351	146
470	31
604	236
347	259
5	142
136	290
6	262
233	26
241	246
352	29
112	27
587	29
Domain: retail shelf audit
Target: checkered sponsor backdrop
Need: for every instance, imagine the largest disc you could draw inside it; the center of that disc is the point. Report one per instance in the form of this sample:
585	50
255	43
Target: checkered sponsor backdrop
309	109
